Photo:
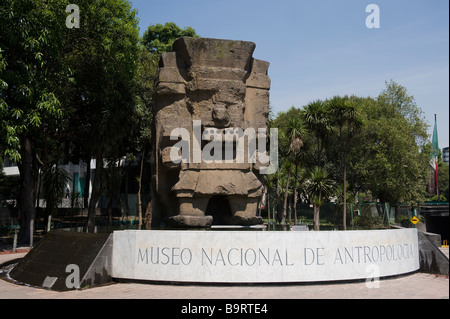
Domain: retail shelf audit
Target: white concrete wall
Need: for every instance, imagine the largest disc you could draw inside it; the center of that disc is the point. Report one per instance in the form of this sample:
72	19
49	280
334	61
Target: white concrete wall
263	256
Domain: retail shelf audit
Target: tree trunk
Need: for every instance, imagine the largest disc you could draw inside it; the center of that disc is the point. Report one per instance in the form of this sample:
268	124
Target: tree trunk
140	187
387	211
149	215
268	204
295	195
289	209
317	212
344	213
286	197
91	210
316	217
27	211
87	182
277	199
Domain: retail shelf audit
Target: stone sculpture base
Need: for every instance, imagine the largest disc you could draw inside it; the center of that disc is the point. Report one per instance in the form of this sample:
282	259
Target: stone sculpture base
190	221
248	221
183	221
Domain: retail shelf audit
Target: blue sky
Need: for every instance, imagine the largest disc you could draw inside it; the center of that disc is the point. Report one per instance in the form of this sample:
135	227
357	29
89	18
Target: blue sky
321	48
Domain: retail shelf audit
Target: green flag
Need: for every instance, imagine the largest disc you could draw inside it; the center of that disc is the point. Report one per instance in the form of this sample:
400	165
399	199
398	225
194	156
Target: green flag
435	154
435	143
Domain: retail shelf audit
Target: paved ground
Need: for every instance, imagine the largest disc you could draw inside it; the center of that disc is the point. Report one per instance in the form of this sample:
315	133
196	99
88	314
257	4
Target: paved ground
413	286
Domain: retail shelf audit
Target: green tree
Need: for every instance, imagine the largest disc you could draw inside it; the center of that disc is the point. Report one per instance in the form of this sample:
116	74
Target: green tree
290	140
54	181
319	187
159	38
344	113
317	118
284	186
318	121
104	60
393	148
443	181
32	66
295	131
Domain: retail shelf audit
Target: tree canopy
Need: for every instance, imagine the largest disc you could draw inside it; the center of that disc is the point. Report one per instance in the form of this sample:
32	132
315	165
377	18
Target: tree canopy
73	94
159	38
352	144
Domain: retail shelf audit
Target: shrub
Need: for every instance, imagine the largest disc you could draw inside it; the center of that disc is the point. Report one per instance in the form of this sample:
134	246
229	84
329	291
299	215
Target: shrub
368	222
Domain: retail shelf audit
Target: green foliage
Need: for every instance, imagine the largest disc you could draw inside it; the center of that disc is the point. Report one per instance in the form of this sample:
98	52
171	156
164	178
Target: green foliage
295	130
319	122
31	64
104	62
359	144
434	198
320	186
394	163
443	171
159	38
368	222
54	181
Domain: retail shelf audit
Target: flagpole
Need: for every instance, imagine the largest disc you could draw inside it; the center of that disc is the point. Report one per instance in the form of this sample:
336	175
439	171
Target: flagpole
436	158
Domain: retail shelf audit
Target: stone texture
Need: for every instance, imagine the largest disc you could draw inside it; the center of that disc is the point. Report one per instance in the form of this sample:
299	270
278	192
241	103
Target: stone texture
219	83
190	221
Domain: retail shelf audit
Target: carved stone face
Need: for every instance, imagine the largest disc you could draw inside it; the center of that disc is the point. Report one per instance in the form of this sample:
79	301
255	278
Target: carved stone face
216	89
217	103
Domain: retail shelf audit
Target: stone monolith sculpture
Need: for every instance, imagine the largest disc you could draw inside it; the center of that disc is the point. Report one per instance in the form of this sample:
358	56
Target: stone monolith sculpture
211	109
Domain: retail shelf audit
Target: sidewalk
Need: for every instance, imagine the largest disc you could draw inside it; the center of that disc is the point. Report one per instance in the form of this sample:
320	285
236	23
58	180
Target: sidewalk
413	286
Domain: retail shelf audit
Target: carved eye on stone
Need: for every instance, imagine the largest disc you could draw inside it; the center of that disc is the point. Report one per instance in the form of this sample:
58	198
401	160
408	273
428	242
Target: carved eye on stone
220	114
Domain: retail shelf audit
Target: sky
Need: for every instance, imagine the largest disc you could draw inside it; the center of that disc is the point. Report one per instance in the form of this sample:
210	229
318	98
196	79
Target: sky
321	48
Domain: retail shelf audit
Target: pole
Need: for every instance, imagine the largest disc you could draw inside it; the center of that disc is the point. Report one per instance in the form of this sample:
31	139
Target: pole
435	144
31	233
273	217
15	240
49	223
359	202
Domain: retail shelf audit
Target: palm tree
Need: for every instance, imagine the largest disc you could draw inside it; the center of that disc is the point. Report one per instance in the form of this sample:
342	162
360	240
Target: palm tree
295	131
320	186
284	182
345	115
317	119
